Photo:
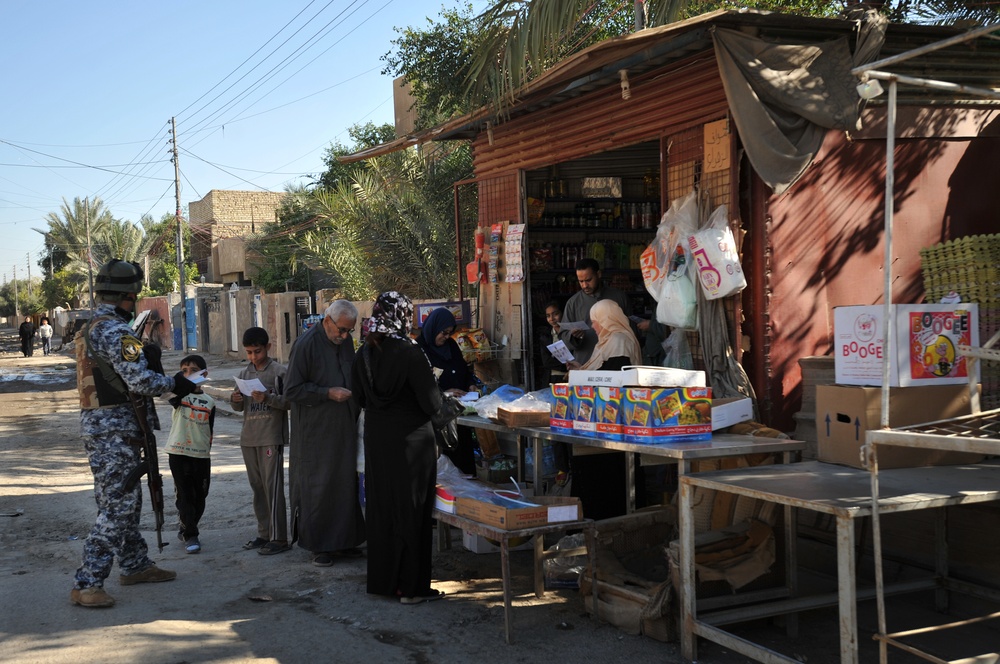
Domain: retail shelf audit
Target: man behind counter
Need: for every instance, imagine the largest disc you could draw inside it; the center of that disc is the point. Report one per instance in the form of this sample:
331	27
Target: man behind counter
588	274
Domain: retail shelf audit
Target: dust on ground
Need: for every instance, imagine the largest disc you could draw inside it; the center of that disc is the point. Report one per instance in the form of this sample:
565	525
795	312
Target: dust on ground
231	605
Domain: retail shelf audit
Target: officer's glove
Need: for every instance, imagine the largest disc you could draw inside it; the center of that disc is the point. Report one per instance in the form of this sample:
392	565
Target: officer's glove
154	357
182	386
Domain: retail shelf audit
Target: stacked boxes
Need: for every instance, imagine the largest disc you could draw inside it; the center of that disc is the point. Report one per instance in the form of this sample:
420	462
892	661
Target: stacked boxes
562	417
667	415
630	405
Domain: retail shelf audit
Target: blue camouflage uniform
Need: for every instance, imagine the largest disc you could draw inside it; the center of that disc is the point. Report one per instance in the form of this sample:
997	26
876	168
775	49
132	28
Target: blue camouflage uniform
107	433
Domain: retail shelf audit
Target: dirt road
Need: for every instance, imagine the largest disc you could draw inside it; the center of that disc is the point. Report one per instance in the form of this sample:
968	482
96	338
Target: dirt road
230	605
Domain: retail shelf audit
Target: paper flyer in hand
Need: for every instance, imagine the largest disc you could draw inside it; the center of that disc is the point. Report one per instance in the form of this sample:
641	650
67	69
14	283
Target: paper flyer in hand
560	352
248	387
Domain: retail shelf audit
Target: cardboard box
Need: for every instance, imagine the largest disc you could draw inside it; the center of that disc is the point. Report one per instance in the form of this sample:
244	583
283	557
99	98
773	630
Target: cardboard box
608	404
845	413
479	544
639	377
546	510
523	418
561	418
925	344
667	415
583	405
730	411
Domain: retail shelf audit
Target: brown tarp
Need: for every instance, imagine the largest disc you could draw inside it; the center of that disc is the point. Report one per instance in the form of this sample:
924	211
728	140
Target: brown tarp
784	97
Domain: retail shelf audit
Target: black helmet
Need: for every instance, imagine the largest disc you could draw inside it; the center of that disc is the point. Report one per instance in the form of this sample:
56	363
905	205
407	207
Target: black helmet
118	276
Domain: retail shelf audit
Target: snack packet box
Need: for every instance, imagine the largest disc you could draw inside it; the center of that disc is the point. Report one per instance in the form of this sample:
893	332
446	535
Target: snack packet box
608	403
583	404
561	418
667	415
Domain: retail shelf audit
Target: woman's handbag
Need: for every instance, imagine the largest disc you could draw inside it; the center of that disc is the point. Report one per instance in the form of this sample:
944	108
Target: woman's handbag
443	421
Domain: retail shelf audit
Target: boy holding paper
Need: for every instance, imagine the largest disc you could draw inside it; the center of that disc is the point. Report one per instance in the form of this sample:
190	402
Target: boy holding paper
263	439
188	449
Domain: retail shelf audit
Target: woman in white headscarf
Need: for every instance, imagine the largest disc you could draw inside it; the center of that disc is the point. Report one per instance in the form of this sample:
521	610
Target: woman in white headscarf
616	346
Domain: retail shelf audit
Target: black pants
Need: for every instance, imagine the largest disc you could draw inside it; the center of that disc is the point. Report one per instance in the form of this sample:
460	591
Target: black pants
191	480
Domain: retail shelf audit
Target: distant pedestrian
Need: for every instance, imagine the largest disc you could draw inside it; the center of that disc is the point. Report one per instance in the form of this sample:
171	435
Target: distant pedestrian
188	449
27	333
263	440
45	334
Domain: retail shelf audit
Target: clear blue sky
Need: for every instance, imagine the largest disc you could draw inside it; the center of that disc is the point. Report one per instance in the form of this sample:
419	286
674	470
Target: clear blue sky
90	87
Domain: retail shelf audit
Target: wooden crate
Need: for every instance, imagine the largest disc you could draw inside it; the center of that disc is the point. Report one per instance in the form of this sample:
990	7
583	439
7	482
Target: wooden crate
522	418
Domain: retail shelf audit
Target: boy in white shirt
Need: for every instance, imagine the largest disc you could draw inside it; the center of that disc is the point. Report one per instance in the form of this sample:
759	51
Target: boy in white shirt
188	450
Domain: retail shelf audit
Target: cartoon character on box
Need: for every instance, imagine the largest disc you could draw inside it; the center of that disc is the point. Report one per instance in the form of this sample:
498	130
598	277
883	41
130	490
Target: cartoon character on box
940	357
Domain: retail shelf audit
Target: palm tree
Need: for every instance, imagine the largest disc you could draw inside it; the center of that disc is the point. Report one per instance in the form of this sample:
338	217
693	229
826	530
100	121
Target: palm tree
380	231
68	229
523	37
123	240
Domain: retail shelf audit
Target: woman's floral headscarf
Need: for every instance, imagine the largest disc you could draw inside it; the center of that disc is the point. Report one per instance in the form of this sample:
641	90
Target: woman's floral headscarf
392	315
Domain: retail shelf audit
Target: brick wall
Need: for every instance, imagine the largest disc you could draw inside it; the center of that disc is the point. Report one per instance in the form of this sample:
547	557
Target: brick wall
228	214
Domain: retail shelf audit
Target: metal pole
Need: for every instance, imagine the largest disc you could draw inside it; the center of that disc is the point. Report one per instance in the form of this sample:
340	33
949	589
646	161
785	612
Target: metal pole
15	296
90	259
29	273
872	450
180	234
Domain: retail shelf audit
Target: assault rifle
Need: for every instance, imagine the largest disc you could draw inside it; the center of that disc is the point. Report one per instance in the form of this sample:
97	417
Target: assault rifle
149	466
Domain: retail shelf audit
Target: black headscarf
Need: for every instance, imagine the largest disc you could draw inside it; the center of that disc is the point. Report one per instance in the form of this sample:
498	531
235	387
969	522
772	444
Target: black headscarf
440	319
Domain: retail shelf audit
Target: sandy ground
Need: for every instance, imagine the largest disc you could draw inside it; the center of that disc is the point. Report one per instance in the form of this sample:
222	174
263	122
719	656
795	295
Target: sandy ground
230	605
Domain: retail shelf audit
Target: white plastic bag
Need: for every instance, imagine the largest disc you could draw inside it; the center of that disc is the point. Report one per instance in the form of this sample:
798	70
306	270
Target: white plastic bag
713	251
678	305
680	221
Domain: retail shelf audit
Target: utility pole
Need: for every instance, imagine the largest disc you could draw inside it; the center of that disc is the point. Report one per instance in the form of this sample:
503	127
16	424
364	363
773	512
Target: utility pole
29	274
15	294
180	234
90	261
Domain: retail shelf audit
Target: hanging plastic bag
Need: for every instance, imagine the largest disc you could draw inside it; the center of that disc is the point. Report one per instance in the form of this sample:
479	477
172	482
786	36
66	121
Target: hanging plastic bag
713	250
680	221
677	351
678	305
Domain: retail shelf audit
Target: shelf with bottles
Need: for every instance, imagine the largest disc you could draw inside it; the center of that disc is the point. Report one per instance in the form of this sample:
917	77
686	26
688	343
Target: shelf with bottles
602	214
617	254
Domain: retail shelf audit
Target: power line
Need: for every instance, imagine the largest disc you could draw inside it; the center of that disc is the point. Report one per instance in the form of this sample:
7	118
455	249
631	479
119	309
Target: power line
294	55
44	154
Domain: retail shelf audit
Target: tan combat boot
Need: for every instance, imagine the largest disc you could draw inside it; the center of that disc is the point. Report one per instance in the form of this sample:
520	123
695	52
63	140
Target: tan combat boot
92	597
151	574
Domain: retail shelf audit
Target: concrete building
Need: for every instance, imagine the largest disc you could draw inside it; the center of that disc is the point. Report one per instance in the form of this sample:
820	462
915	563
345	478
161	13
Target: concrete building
219	222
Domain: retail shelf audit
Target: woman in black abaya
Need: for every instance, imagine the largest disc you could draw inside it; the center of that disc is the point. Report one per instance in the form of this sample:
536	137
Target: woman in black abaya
393	382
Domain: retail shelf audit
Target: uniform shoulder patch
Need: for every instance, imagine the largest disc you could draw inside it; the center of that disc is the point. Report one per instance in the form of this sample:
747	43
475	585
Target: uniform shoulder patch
131	348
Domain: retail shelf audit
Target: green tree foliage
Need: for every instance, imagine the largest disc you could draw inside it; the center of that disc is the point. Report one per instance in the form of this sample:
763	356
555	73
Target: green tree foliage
521	38
67	289
363	136
373	225
434	60
162	242
29	300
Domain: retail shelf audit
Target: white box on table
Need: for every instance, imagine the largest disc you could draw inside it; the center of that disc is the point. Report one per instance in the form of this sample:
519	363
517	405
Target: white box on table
925	344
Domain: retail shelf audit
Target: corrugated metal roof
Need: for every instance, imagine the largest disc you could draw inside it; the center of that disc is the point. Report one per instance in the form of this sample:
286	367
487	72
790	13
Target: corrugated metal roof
975	63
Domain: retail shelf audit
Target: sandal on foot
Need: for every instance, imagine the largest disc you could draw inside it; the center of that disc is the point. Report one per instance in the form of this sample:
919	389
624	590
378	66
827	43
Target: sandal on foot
272	548
419	599
255	543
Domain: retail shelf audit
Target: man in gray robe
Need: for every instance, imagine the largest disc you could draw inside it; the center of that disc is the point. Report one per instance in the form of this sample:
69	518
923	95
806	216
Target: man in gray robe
322	477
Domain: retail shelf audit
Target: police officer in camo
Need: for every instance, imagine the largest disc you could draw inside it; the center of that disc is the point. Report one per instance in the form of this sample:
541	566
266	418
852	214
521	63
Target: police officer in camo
110	364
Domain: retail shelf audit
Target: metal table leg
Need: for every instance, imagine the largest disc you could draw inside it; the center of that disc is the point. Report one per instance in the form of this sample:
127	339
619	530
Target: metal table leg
689	642
507	593
847	591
